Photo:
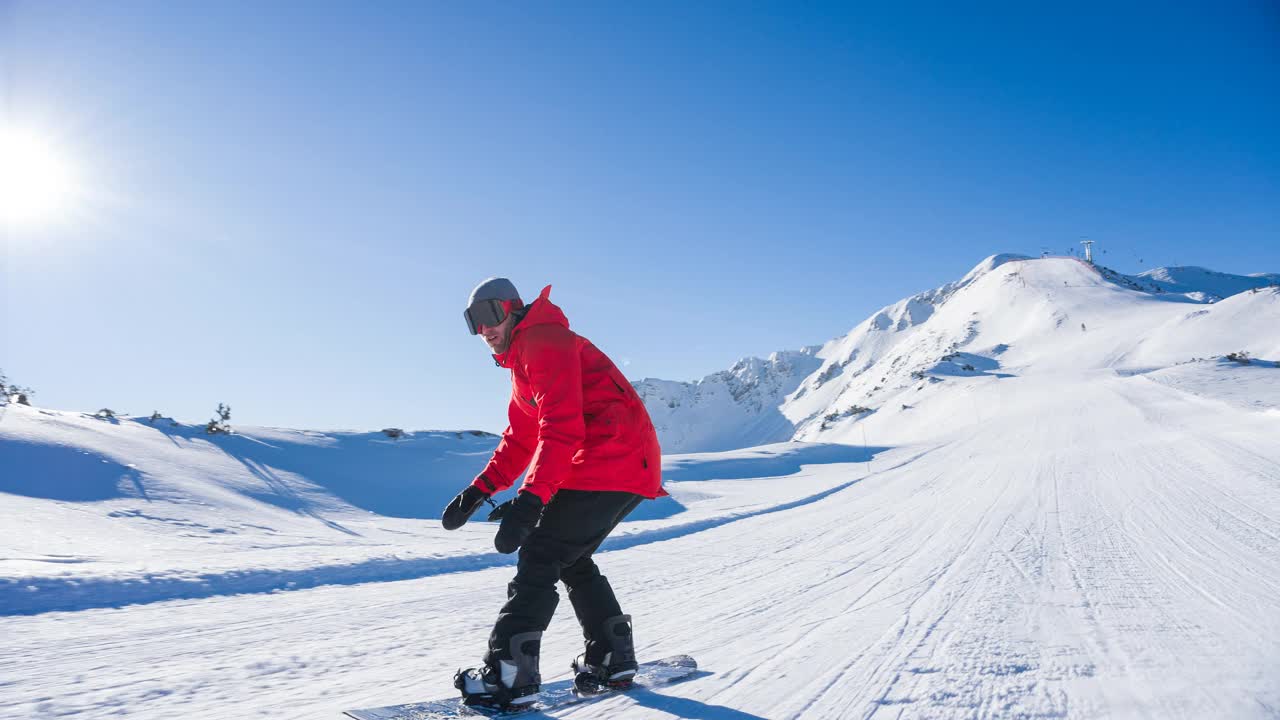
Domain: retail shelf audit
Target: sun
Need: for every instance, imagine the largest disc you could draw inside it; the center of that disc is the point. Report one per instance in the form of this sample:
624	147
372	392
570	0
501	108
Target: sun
36	182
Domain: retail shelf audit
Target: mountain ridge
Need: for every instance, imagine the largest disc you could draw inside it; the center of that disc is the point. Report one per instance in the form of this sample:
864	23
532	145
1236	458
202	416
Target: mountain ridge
790	395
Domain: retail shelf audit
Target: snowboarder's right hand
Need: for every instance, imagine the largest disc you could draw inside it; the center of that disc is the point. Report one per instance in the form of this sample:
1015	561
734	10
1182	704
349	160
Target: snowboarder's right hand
460	510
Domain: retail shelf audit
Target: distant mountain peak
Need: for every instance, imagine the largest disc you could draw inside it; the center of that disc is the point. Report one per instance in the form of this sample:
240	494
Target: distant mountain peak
1202	284
1010	314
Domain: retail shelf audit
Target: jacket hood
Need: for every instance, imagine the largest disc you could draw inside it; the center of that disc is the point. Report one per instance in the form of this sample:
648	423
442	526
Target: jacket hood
539	312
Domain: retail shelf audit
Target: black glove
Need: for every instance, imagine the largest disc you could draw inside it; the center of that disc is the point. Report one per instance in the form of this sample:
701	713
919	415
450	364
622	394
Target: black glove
460	510
518	520
500	511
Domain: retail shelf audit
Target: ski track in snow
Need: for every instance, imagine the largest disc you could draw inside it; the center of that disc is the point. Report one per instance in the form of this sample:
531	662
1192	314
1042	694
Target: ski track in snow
1113	554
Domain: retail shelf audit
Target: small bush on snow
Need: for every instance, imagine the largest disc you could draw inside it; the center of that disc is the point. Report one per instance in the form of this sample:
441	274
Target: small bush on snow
12	392
220	425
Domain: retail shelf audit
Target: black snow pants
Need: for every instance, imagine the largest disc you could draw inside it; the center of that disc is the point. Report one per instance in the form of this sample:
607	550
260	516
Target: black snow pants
573	525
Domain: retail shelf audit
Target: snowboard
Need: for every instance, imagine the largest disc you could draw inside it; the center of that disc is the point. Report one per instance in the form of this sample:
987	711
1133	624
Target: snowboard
553	696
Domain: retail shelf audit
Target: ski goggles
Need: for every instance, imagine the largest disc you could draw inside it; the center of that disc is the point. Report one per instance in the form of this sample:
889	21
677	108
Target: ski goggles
485	312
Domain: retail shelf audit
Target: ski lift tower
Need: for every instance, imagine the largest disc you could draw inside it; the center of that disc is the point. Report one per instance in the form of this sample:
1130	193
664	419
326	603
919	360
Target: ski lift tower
1088	250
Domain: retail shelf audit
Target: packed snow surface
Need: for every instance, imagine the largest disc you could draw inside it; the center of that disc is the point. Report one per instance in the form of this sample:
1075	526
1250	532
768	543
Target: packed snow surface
1037	492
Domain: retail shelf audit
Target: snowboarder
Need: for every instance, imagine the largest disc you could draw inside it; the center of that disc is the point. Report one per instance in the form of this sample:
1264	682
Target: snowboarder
592	456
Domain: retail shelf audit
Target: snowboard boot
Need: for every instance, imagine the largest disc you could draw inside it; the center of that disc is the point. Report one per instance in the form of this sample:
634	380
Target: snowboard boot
507	679
610	660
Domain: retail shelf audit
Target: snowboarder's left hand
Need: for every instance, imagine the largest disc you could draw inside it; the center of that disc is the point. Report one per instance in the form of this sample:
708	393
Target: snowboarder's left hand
518	521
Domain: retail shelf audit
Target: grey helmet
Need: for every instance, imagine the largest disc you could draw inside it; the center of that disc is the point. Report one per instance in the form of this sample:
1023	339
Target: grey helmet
485	306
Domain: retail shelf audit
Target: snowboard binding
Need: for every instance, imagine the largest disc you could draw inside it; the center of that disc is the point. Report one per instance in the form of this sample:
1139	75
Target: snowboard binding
617	669
480	690
591	679
506	681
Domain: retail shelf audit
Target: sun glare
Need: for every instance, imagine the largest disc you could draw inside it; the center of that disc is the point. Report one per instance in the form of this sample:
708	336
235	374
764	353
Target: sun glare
36	182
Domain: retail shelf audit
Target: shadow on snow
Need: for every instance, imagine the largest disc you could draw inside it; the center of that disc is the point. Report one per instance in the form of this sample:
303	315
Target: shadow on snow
763	462
57	472
30	596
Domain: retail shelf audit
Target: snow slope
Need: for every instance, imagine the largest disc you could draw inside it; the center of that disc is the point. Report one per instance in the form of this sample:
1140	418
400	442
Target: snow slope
1009	316
1058	317
1032	520
106	513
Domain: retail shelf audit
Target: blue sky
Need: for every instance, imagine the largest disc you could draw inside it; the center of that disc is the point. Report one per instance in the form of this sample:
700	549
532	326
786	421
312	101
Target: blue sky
284	205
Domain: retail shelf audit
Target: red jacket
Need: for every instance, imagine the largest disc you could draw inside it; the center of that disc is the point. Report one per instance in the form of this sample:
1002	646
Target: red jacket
576	423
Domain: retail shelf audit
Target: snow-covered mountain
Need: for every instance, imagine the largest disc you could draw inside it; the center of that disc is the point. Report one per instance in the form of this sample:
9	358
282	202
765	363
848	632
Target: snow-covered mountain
1201	284
733	408
1010	315
1051	491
